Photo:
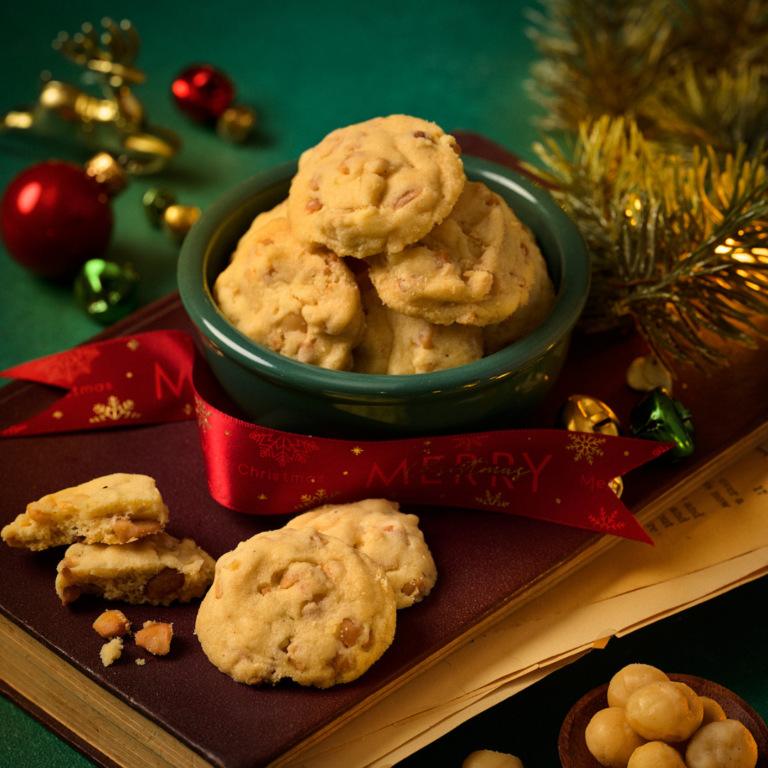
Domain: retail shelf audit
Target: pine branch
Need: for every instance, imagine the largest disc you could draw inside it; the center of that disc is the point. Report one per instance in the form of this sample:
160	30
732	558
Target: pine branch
688	72
678	245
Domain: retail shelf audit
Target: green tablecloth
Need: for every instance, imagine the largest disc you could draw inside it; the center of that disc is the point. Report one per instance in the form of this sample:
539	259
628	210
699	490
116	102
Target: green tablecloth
307	68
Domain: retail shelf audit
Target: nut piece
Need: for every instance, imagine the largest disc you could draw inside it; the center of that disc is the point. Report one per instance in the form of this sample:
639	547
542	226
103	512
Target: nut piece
664	711
724	742
628	679
165	583
112	624
155	638
712	711
128	530
656	754
609	738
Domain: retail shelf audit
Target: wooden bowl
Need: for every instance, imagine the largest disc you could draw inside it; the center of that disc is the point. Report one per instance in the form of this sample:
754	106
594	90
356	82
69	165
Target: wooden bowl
573	747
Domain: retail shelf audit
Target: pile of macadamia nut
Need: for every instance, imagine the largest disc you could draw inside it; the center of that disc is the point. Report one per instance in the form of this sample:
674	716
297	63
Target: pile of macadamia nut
653	722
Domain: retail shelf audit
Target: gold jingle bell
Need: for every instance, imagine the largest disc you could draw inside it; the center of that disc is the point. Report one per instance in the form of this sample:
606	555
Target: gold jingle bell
582	413
236	123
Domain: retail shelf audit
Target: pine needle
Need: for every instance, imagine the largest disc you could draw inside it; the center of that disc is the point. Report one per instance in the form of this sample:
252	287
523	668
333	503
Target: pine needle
678	245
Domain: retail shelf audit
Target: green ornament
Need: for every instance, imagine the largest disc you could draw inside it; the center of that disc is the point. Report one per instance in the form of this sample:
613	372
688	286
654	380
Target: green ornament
156	201
658	416
106	290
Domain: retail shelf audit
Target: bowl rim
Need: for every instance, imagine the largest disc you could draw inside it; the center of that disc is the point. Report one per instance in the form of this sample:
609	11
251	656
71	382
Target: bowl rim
198	300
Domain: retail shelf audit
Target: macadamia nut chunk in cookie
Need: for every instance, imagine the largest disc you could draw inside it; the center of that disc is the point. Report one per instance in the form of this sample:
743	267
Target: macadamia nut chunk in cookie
295	603
388	536
156	570
375	186
113	509
475	268
303	304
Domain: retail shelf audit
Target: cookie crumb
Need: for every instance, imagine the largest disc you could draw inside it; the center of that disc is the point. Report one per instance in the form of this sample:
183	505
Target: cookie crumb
141	662
111	651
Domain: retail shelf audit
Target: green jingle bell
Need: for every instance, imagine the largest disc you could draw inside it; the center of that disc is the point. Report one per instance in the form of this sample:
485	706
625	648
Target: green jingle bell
106	290
156	201
659	416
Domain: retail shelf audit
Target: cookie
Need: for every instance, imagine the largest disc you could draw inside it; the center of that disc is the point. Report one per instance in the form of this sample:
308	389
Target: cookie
295	603
528	316
155	570
395	343
388	536
303	304
374	186
114	509
475	268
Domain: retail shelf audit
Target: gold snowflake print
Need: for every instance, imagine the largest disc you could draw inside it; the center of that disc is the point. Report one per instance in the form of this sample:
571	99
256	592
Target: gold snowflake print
57	415
491	501
114	410
133	345
314	500
585	445
357	450
203	414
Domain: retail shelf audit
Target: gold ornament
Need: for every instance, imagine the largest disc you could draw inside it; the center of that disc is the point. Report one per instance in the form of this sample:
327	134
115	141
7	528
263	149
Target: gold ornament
646	373
236	123
582	413
104	169
163	211
116	122
177	220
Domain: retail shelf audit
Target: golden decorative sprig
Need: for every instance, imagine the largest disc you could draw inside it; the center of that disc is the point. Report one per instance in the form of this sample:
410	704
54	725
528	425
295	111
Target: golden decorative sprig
679	246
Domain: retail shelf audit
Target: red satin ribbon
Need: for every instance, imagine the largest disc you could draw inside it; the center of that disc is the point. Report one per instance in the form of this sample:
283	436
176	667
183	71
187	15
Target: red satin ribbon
552	475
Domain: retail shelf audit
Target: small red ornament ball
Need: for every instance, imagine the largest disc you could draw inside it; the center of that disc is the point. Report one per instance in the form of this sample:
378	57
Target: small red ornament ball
54	217
203	92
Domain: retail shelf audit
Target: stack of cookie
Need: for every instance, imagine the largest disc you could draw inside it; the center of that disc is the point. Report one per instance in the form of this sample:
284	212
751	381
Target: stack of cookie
385	259
118	548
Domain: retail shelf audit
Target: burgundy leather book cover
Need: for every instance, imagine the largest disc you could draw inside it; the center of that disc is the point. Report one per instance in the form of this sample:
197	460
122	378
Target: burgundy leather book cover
485	560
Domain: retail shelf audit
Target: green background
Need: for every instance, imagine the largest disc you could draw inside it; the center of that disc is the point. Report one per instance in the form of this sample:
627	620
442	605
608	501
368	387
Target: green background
307	68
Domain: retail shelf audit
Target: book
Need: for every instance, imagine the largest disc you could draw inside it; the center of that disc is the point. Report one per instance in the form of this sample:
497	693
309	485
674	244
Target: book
180	710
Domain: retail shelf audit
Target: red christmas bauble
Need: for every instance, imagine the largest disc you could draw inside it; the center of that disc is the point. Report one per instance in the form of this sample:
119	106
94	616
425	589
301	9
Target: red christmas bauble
54	217
203	92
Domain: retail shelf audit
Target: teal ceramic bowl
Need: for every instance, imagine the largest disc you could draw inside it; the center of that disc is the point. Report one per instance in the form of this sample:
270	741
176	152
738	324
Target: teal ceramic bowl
499	391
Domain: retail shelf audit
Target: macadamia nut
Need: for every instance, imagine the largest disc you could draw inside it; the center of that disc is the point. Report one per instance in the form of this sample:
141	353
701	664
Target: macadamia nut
656	754
712	711
486	758
722	743
628	679
610	739
664	711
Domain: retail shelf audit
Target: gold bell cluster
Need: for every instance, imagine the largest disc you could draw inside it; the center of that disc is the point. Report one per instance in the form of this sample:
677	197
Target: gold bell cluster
113	121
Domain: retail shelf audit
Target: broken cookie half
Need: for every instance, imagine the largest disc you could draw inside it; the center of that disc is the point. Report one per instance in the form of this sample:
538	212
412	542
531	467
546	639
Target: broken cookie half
114	509
155	570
